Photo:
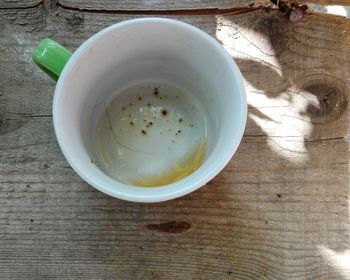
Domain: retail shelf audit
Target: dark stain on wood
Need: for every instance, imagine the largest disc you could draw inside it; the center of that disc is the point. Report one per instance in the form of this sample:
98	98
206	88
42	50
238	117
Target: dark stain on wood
75	20
170	227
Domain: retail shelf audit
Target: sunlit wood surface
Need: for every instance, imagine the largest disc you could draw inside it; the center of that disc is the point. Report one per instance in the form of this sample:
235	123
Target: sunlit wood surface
279	210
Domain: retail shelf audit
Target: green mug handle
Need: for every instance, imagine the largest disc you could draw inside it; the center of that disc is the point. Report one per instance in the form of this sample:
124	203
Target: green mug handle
51	57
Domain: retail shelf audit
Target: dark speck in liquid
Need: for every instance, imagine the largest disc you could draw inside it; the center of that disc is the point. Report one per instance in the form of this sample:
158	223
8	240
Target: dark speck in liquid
143	131
156	91
164	112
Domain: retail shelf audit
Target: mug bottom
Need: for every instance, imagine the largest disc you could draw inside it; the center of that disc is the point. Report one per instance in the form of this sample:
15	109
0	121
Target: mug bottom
151	134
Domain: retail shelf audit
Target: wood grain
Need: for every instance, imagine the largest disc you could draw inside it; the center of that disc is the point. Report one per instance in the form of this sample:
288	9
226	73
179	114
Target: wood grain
279	210
142	5
328	2
30	19
7	4
151	5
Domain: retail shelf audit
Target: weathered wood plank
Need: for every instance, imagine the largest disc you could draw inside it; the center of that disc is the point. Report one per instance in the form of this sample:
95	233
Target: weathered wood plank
30	18
143	5
278	211
7	4
328	2
151	5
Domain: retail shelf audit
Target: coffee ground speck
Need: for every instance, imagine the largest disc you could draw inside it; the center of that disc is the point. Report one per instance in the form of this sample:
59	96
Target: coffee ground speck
156	91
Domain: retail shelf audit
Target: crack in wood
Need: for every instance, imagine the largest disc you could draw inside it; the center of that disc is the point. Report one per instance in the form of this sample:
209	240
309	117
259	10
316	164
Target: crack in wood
200	11
21	7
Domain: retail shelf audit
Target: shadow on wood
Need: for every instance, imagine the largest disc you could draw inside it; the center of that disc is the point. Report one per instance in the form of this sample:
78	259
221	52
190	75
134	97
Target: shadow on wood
295	154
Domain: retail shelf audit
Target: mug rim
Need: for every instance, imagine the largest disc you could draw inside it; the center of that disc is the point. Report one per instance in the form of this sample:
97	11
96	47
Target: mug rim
185	189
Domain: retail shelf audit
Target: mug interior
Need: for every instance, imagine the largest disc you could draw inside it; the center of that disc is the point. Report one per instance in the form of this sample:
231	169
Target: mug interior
148	49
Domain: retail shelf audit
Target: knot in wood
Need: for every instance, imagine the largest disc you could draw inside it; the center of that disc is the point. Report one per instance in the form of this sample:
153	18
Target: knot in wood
332	100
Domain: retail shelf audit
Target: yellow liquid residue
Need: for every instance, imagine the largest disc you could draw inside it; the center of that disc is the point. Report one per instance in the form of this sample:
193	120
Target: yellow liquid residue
179	170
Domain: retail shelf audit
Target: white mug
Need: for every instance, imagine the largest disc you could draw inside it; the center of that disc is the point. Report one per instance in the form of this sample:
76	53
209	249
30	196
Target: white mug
135	49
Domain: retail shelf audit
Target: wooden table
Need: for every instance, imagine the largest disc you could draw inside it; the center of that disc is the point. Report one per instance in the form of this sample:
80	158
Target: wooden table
279	210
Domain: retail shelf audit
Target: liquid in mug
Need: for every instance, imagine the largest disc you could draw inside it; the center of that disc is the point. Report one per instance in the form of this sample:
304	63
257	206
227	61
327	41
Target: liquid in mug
151	134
